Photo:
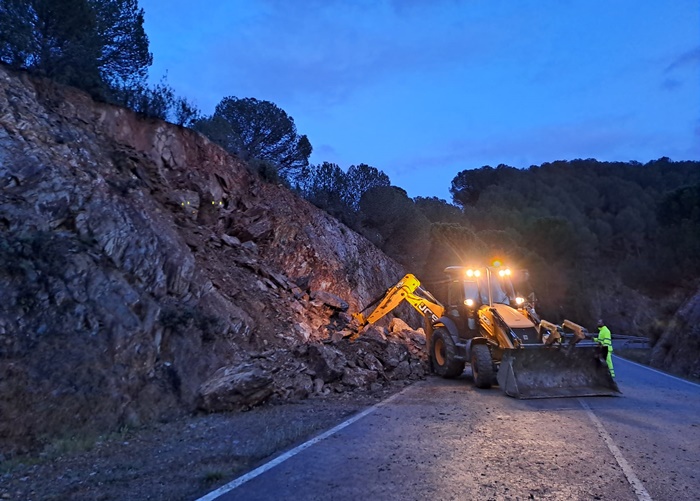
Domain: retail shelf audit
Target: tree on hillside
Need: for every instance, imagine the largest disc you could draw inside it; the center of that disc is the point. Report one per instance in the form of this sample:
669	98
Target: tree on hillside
682	204
468	184
585	229
158	101
452	245
361	178
324	186
328	186
124	54
438	210
679	215
392	222
253	129
95	45
558	241
502	244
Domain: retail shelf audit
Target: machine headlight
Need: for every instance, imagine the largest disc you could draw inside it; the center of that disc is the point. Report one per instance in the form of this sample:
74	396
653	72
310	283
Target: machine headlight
469	302
519	301
504	273
473	273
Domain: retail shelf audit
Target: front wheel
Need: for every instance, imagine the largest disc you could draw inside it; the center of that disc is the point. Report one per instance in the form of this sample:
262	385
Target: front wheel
444	354
482	366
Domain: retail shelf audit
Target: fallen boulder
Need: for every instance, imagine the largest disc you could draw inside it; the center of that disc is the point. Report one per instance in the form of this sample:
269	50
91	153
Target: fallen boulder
233	388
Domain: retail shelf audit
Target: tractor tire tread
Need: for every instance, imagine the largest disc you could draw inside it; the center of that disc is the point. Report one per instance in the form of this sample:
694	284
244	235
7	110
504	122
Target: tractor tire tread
482	366
452	367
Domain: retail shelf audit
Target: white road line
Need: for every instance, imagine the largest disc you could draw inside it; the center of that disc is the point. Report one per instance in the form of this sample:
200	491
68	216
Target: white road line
655	370
636	484
293	452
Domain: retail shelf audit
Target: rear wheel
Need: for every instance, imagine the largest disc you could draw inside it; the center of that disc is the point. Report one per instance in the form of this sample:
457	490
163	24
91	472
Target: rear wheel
444	353
482	366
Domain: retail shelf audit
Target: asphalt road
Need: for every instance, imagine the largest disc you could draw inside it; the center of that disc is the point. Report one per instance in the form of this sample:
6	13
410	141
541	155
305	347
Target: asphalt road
446	440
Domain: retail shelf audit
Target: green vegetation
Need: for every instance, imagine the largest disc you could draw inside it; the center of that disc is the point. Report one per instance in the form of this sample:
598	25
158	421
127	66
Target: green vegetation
599	216
67	445
585	229
99	46
93	45
70	445
254	129
156	101
336	191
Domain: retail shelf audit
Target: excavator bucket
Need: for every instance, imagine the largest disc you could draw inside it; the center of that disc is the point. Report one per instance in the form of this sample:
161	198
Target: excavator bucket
547	372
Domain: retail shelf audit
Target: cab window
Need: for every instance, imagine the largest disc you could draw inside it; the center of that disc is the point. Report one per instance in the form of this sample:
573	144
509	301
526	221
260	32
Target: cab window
454	297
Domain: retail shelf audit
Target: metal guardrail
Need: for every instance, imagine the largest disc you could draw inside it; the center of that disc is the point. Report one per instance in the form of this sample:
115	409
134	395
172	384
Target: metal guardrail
624	341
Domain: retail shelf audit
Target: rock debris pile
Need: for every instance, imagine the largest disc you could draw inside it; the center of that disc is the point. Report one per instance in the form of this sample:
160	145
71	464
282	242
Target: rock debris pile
378	356
146	273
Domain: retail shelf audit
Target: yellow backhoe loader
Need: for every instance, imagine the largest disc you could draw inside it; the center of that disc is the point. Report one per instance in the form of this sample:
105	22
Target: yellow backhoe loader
485	324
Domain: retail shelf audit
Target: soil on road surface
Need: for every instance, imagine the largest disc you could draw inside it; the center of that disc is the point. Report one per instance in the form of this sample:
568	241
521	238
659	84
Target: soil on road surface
438	439
180	460
443	439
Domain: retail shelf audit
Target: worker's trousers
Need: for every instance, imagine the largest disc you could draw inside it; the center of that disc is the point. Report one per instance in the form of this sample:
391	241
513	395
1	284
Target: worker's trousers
608	359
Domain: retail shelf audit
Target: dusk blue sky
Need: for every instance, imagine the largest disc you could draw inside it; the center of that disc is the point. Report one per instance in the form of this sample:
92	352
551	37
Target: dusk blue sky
423	89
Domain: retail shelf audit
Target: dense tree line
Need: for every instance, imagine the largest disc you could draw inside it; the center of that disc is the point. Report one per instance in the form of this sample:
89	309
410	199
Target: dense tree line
338	192
609	214
94	45
364	199
99	46
578	225
582	228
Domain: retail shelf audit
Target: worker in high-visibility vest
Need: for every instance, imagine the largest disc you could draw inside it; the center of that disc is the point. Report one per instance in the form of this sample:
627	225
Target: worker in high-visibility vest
605	339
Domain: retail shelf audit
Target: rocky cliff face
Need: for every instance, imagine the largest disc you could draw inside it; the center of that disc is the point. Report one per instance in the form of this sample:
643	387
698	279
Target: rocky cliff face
678	347
144	272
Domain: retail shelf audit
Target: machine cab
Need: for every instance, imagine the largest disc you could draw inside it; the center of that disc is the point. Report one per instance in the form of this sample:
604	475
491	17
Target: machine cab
463	300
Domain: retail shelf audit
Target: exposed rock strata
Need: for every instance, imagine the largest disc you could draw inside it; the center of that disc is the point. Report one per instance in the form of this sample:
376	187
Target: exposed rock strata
145	273
676	350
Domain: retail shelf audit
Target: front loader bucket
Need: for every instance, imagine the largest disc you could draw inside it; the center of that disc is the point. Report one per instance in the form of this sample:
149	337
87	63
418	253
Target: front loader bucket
546	372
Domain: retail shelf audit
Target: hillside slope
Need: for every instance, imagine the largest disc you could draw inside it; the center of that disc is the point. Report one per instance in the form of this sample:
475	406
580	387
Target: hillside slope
146	273
678	347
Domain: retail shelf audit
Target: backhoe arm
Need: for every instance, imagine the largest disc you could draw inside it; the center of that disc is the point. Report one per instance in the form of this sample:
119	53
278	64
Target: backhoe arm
405	289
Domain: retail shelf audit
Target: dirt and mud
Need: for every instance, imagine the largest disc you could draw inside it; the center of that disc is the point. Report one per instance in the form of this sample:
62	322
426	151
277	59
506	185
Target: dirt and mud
179	460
